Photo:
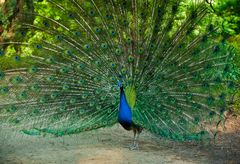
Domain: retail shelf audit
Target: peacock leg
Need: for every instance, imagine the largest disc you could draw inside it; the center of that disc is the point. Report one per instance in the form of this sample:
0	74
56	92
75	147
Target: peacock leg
135	143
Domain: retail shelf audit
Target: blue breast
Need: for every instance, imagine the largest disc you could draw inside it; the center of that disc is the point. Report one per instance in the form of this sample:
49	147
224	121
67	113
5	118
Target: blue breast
125	113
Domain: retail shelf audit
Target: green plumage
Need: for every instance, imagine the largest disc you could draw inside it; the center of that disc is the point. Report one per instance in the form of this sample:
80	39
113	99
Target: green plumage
174	73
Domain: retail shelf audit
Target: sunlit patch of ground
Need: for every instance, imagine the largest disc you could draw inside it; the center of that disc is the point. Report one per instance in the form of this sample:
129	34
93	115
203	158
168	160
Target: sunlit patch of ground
109	145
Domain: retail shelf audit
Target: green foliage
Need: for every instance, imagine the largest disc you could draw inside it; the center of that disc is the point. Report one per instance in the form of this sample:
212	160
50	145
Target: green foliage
7	11
227	15
229	12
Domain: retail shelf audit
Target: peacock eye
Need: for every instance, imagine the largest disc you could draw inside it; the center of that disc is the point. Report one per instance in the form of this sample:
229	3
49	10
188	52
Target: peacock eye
113	65
113	33
125	22
77	33
175	8
97	30
46	24
91	13
84	96
152	45
216	49
204	38
71	15
73	100
231	85
222	110
38	46
69	52
210	27
50	78
82	65
23	94
1	75
104	46
23	33
86	46
1	53
140	51
193	14
5	90
112	78
81	81
58	37
222	96
33	69
212	113
17	58
130	58
108	16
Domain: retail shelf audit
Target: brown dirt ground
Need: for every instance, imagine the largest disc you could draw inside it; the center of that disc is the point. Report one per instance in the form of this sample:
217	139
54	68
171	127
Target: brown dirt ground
109	145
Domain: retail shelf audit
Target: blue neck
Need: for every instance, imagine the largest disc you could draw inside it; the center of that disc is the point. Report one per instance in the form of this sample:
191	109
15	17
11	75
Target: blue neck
125	113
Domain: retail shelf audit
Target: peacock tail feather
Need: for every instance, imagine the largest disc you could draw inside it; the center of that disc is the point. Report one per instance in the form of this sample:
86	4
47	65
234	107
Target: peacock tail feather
69	62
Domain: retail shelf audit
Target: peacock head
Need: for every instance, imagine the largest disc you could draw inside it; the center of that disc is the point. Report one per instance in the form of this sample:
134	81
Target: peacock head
120	85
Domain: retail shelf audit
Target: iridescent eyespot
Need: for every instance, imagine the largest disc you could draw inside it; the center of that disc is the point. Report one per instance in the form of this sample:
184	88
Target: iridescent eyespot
112	33
33	69
113	65
69	52
71	15
97	30
23	34
1	53
87	47
104	46
130	58
2	75
46	24
4	90
58	37
91	13
17	58
77	33
38	46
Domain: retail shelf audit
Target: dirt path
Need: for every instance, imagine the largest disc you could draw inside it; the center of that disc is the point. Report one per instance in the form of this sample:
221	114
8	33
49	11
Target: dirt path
108	145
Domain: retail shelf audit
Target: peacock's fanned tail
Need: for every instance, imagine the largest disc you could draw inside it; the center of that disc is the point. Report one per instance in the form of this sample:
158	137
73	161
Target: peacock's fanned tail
67	82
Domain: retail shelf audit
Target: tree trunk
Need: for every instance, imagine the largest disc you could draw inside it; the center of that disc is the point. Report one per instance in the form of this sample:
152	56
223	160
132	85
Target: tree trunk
12	11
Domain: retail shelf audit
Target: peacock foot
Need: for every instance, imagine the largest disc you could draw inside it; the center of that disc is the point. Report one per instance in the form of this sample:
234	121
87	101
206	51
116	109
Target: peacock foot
134	146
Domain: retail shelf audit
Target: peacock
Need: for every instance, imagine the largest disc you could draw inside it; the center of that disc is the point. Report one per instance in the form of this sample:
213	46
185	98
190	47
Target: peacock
87	64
